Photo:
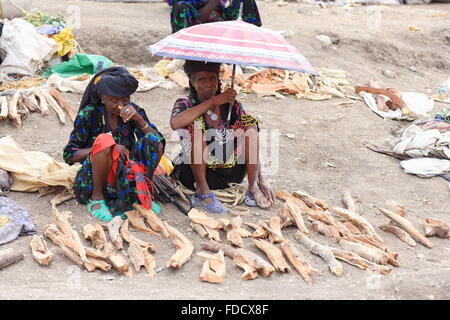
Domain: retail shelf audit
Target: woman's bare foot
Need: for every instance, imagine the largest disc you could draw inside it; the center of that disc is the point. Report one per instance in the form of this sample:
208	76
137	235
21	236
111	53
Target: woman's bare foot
259	197
266	189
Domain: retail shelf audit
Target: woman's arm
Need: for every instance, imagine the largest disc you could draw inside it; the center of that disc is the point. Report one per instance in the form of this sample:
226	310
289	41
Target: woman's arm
78	147
205	12
187	117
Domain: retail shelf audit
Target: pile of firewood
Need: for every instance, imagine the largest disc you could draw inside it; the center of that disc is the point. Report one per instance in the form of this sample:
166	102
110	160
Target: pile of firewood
16	105
109	240
357	241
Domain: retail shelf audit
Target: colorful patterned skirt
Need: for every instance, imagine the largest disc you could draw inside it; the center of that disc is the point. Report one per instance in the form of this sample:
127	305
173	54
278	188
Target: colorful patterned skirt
124	193
184	14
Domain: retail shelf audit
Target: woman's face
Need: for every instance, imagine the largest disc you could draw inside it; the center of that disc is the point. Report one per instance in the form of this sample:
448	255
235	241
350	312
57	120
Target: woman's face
205	83
115	104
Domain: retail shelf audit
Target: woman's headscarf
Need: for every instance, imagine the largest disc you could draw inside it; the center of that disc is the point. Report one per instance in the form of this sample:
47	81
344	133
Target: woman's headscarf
114	81
191	67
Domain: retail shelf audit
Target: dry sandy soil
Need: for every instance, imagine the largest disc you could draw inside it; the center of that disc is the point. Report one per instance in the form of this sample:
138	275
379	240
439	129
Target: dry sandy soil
328	148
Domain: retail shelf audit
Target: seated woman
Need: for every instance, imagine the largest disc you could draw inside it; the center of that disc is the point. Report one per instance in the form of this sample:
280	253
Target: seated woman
186	13
117	145
214	154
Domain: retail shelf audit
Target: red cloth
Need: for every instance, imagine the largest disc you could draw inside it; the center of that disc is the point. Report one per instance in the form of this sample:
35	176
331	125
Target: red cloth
102	142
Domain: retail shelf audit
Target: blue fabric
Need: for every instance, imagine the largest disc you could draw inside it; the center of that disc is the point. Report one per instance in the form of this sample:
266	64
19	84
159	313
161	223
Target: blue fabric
19	224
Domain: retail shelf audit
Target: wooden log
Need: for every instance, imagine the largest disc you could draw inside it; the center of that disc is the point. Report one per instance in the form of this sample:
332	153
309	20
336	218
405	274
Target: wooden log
359	221
12	111
93	264
119	263
152	219
348	201
9	256
274	254
54	105
43	105
213	270
41	253
113	228
29	101
298	261
322	251
275	234
437	227
353	229
310	200
137	222
62	197
357	261
96	254
231	227
296	215
197	216
286	218
201	231
136	254
4	110
97	236
367	252
63	104
243	258
405	224
260	232
52	232
326	230
399	233
129	238
396	207
366	240
149	263
184	248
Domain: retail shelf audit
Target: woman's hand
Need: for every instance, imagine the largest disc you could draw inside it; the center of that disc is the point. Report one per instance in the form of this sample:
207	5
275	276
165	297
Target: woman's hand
228	96
127	113
124	153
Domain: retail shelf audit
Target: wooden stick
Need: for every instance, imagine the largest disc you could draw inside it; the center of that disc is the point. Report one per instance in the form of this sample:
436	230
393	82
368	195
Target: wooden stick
405	224
275	234
113	228
310	200
184	248
54	105
367	252
12	113
4	108
200	217
120	264
274	254
298	261
296	215
357	261
349	201
437	227
213	270
285	216
137	222
326	230
97	236
9	256
129	238
324	252
152	219
63	104
43	105
396	207
30	102
231	227
353	229
199	229
40	251
399	233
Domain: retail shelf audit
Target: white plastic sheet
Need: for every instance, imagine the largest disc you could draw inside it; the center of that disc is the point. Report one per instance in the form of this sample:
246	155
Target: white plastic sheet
426	167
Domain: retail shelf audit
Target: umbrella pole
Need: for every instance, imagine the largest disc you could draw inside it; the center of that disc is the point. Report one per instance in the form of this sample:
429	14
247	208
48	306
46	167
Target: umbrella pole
232	87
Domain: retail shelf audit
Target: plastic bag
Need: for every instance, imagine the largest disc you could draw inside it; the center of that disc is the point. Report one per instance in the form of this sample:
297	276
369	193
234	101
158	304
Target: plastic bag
80	64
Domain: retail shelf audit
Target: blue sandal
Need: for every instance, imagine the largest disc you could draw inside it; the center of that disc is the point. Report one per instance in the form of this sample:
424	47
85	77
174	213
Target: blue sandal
102	213
249	200
214	207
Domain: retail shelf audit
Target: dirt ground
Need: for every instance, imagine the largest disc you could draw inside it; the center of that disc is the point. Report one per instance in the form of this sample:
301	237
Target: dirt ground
326	157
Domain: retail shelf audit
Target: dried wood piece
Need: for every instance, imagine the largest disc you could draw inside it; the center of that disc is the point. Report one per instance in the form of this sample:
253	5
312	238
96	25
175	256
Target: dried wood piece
52	232
199	229
182	244
399	233
152	219
367	252
357	261
322	251
274	254
366	240
275	234
62	197
197	216
310	200
244	259
63	104
136	254
29	101
113	228
231	227
149	263
129	238
296	214
298	261
54	105
12	111
348	201
97	236
285	215
359	221
405	224
326	230
9	256
92	264
40	251
71	237
353	229
260	232
396	207
120	264
213	234
214	268
137	222
43	105
96	254
4	107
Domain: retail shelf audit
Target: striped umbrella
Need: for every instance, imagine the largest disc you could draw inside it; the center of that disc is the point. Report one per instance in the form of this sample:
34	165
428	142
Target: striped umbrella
233	42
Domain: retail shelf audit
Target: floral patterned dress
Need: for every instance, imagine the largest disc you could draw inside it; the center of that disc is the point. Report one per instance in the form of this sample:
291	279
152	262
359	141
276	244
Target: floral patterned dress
90	123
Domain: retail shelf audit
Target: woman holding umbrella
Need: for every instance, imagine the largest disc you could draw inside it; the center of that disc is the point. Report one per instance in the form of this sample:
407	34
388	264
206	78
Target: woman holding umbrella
231	152
186	13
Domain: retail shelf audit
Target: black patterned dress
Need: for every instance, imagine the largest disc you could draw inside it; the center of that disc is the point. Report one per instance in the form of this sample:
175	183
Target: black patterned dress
88	125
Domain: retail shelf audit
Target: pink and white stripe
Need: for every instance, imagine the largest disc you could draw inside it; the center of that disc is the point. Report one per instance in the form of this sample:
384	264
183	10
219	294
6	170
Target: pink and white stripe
233	42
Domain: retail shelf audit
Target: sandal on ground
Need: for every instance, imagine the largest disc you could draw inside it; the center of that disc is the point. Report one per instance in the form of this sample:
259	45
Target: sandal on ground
214	207
102	213
249	200
156	208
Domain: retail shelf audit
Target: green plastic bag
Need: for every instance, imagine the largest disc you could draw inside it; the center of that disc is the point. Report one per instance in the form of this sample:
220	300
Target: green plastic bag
80	64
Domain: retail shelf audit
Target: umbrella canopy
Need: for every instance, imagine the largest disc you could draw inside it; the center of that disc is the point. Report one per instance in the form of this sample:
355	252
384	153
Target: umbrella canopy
233	42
